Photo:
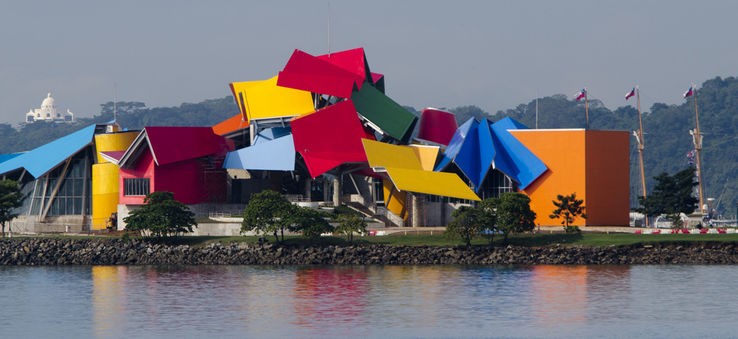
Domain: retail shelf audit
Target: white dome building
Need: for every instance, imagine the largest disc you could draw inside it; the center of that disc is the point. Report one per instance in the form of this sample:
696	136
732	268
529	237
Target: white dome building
48	112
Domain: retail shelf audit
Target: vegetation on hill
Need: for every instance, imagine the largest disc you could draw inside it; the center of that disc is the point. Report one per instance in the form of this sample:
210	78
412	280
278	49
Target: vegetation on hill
131	115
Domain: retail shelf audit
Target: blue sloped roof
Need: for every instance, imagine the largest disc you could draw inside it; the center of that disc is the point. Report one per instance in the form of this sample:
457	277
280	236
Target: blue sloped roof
478	146
6	157
513	158
468	159
44	158
454	146
273	155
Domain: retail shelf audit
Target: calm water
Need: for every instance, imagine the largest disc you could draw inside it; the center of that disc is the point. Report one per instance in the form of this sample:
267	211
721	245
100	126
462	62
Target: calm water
368	301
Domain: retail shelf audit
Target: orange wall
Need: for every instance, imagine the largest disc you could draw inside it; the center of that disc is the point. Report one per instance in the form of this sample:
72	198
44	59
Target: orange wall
592	164
563	152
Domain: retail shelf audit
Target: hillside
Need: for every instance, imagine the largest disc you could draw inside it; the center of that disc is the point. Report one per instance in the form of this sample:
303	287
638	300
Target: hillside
130	115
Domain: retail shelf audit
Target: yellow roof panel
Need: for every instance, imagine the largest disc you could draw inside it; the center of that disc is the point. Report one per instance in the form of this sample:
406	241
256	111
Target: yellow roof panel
380	154
428	182
263	99
394	200
427	156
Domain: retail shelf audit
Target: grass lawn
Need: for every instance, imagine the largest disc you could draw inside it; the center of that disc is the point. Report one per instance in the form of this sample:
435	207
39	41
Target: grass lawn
398	239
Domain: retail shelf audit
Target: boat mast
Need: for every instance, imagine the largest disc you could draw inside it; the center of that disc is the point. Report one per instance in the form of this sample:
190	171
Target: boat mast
697	140
641	145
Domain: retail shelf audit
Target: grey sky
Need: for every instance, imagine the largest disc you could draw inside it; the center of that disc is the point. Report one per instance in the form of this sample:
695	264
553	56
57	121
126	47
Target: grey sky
493	54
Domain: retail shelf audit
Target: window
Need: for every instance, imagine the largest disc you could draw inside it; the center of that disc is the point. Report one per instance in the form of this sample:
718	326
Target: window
136	186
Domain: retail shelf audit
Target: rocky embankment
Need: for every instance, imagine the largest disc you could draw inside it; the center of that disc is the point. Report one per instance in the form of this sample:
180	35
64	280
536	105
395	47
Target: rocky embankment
54	251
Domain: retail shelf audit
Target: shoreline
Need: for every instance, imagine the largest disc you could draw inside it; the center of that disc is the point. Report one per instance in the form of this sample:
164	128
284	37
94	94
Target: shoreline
56	252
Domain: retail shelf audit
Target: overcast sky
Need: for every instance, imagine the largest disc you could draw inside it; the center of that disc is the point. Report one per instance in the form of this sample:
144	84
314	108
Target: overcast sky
493	54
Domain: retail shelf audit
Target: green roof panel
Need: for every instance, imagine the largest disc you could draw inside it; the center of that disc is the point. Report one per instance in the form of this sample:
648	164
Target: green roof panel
383	112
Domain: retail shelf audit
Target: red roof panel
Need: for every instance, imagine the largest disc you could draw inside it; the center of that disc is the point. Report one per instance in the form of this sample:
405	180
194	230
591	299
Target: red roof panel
329	137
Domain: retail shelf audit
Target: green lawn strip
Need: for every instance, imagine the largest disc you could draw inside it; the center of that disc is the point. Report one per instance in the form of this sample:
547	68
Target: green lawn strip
400	239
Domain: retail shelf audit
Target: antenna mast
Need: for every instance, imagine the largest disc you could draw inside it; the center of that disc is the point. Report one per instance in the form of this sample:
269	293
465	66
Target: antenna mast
115	103
536	112
329	28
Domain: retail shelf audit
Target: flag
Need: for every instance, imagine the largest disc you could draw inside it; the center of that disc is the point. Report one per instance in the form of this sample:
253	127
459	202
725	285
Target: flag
689	92
630	94
581	95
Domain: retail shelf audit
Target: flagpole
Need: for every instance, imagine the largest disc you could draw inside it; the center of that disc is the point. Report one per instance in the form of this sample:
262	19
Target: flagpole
641	146
697	140
536	112
586	107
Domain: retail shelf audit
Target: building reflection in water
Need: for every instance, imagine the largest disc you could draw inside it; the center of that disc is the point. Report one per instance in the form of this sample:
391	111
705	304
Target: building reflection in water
108	295
562	294
330	295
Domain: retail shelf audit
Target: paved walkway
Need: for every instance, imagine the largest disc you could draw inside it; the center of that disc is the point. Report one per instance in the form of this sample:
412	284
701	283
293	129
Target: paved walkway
548	229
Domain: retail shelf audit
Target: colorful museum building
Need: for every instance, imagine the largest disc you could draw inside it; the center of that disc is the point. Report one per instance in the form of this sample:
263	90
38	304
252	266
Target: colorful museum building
323	132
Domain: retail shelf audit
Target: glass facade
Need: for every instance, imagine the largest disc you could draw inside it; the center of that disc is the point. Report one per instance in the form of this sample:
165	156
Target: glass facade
495	184
73	194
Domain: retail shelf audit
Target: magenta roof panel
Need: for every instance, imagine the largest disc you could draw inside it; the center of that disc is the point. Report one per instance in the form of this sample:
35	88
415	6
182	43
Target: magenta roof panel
352	60
174	144
437	126
309	73
329	137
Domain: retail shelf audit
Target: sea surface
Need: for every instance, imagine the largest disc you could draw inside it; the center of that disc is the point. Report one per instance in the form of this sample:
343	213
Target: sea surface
368	301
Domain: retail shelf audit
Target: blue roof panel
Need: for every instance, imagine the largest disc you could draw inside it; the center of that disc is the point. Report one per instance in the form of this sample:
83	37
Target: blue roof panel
44	158
6	157
454	146
468	157
513	158
270	134
274	155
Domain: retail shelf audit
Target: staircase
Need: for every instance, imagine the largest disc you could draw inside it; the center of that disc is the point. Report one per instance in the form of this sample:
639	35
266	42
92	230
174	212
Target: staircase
368	213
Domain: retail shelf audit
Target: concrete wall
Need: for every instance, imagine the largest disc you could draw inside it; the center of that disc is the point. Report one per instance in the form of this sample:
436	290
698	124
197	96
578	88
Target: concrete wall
58	224
200	210
439	213
217	229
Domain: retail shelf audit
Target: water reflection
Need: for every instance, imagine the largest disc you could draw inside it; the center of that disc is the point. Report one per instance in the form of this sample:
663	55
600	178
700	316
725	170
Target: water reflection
567	294
367	301
108	286
326	296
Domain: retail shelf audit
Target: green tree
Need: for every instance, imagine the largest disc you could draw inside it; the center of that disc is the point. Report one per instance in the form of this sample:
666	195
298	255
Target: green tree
514	214
569	208
467	224
268	212
161	215
350	223
671	196
489	226
10	200
312	223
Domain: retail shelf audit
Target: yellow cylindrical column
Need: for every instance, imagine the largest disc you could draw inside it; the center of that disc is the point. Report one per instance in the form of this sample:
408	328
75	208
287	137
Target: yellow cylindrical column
104	193
105	188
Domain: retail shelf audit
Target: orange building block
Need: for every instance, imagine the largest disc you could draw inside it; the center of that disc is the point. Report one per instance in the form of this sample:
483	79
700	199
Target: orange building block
593	164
